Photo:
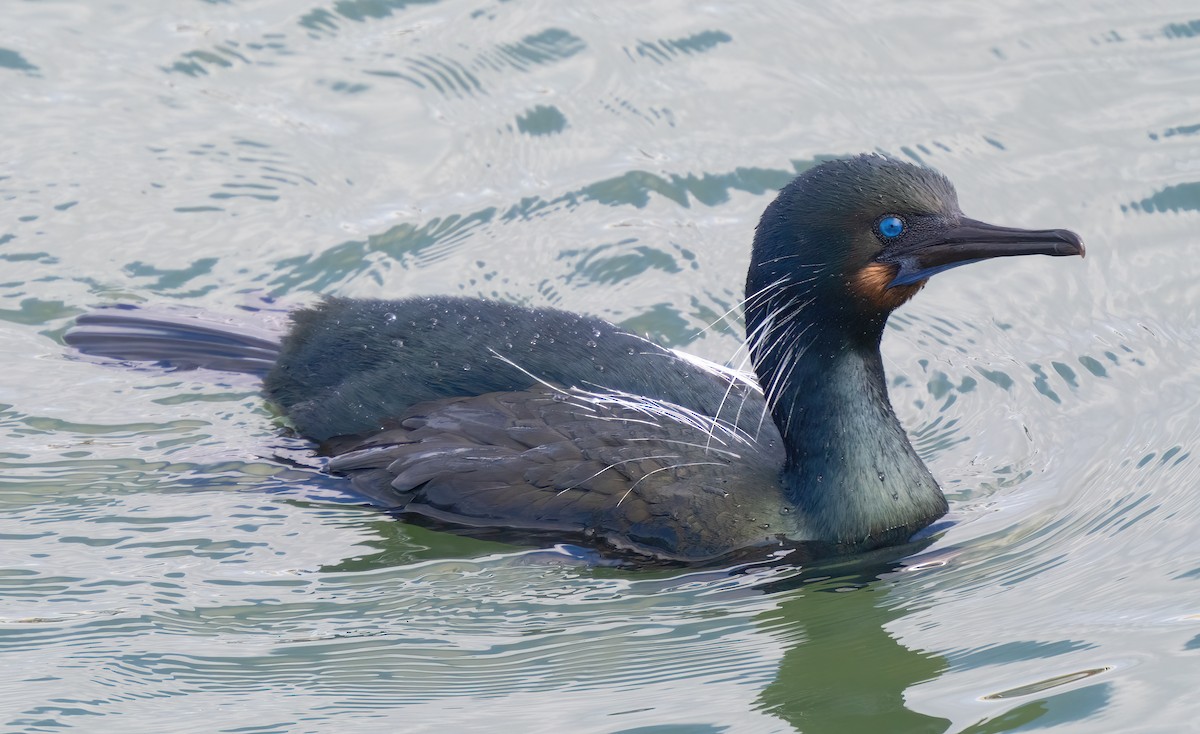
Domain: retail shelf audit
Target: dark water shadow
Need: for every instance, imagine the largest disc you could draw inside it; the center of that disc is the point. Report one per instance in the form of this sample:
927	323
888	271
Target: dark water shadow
842	671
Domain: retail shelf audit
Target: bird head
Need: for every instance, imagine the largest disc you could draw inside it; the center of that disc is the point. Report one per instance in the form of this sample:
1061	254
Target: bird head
854	239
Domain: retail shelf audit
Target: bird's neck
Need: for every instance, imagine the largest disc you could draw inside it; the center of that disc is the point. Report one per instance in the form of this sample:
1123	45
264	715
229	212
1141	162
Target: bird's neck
851	472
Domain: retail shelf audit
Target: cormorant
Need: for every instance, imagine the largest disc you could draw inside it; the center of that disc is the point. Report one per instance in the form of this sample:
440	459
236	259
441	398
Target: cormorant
478	414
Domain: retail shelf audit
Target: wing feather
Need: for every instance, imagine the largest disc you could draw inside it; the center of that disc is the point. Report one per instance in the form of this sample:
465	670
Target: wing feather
546	458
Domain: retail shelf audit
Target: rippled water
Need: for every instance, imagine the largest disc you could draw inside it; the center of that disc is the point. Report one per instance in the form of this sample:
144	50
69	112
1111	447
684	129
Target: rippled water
165	565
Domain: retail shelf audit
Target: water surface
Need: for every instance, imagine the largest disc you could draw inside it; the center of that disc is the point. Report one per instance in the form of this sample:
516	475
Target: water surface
161	553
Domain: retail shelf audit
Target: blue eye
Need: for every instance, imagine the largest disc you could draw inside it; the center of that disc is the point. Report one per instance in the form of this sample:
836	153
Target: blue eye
891	227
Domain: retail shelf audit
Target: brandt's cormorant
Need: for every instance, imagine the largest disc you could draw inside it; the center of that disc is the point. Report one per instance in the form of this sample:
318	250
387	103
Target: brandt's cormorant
477	414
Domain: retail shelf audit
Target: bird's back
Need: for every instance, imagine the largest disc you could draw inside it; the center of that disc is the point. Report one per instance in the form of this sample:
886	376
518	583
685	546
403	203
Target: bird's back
351	366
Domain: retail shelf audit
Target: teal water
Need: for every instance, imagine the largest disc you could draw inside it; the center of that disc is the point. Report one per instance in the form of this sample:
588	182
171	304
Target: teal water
164	566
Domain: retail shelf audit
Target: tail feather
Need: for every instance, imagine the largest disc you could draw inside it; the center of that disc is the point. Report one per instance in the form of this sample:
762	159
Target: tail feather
174	340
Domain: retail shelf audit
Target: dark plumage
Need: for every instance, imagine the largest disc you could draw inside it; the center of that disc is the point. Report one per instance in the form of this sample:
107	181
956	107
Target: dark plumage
481	414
